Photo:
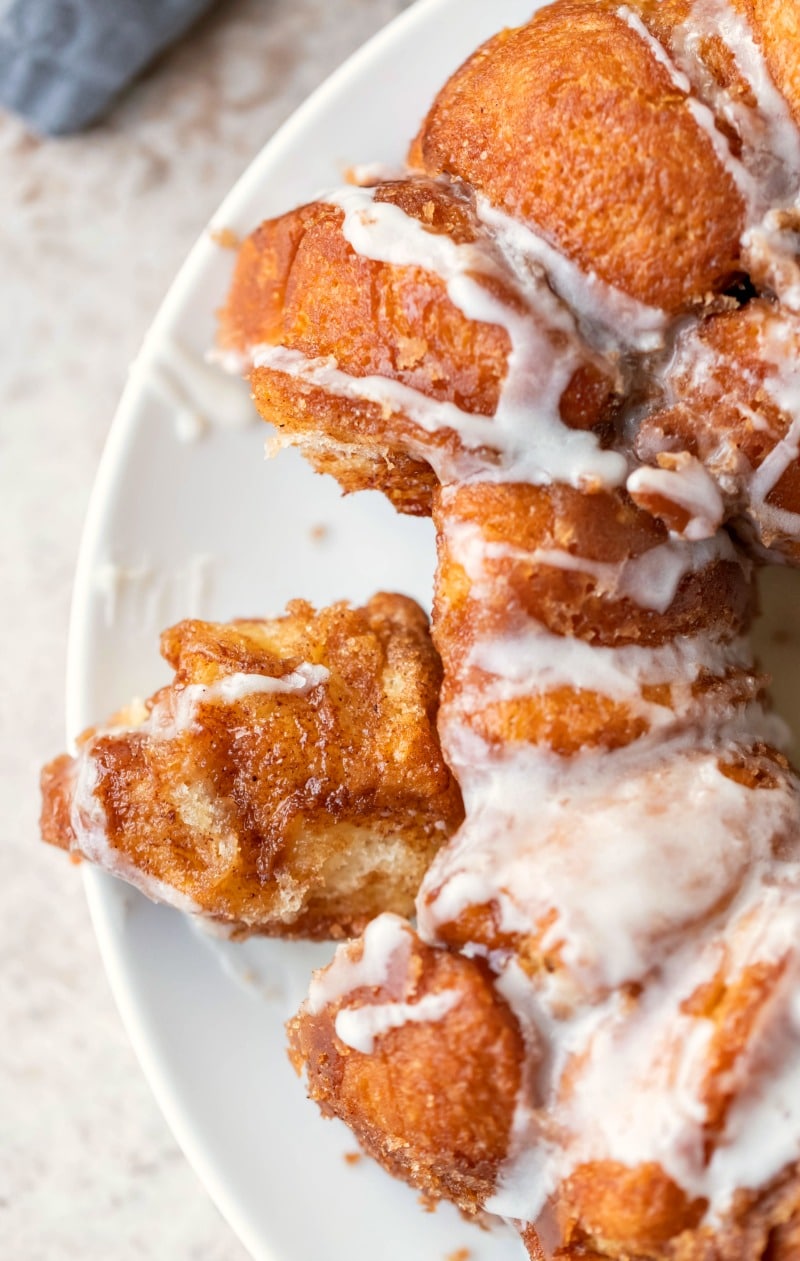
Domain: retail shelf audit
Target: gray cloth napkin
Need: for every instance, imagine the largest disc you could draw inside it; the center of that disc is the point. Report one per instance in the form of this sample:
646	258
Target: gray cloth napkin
62	62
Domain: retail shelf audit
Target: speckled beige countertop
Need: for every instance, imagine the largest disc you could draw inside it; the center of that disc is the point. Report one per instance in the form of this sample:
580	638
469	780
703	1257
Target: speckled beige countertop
93	229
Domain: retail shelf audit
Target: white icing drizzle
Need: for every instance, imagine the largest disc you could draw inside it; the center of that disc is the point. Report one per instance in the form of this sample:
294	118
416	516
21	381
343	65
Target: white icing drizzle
112	581
632	866
646	867
697	368
90	828
779	346
771	141
386	947
770	251
689	485
558	453
650	580
143	595
608	854
608	318
749	188
641	1086
358	1027
383	232
775	464
701	113
658	51
637	875
536	661
386	942
768	173
178	708
769	135
526	429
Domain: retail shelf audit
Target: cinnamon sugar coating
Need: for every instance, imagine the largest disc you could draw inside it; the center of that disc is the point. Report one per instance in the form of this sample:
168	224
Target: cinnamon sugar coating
299	813
433	1101
628	864
524	524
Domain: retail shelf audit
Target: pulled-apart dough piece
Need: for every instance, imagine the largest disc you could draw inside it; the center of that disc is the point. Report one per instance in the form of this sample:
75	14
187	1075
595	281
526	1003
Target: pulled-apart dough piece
417	1052
379	329
288	781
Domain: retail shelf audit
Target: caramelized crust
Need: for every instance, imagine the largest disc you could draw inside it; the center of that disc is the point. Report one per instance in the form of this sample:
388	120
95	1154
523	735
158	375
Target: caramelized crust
433	1100
713	62
628	863
646	203
643	1206
298	813
731	390
607	1209
604	1203
523	524
300	285
518	562
312	293
346	438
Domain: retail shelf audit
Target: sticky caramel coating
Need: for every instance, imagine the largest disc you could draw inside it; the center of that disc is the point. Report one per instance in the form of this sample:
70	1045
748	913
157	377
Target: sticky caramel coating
434	1101
284	814
605	1209
300	285
784	1241
346	438
610	1206
606	161
540	956
726	416
652	210
606	528
609	1212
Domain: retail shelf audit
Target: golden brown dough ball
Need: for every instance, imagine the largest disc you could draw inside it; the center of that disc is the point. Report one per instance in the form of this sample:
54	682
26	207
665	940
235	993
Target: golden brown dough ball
571	124
433	1099
299	284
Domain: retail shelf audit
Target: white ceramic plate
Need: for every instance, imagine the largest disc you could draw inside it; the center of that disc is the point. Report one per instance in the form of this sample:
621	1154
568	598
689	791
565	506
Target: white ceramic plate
206	527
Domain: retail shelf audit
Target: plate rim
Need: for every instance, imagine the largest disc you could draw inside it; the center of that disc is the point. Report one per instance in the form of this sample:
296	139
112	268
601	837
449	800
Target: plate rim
97	885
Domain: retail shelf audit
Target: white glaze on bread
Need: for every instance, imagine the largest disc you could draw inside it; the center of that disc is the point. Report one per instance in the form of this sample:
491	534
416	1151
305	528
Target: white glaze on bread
620	880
